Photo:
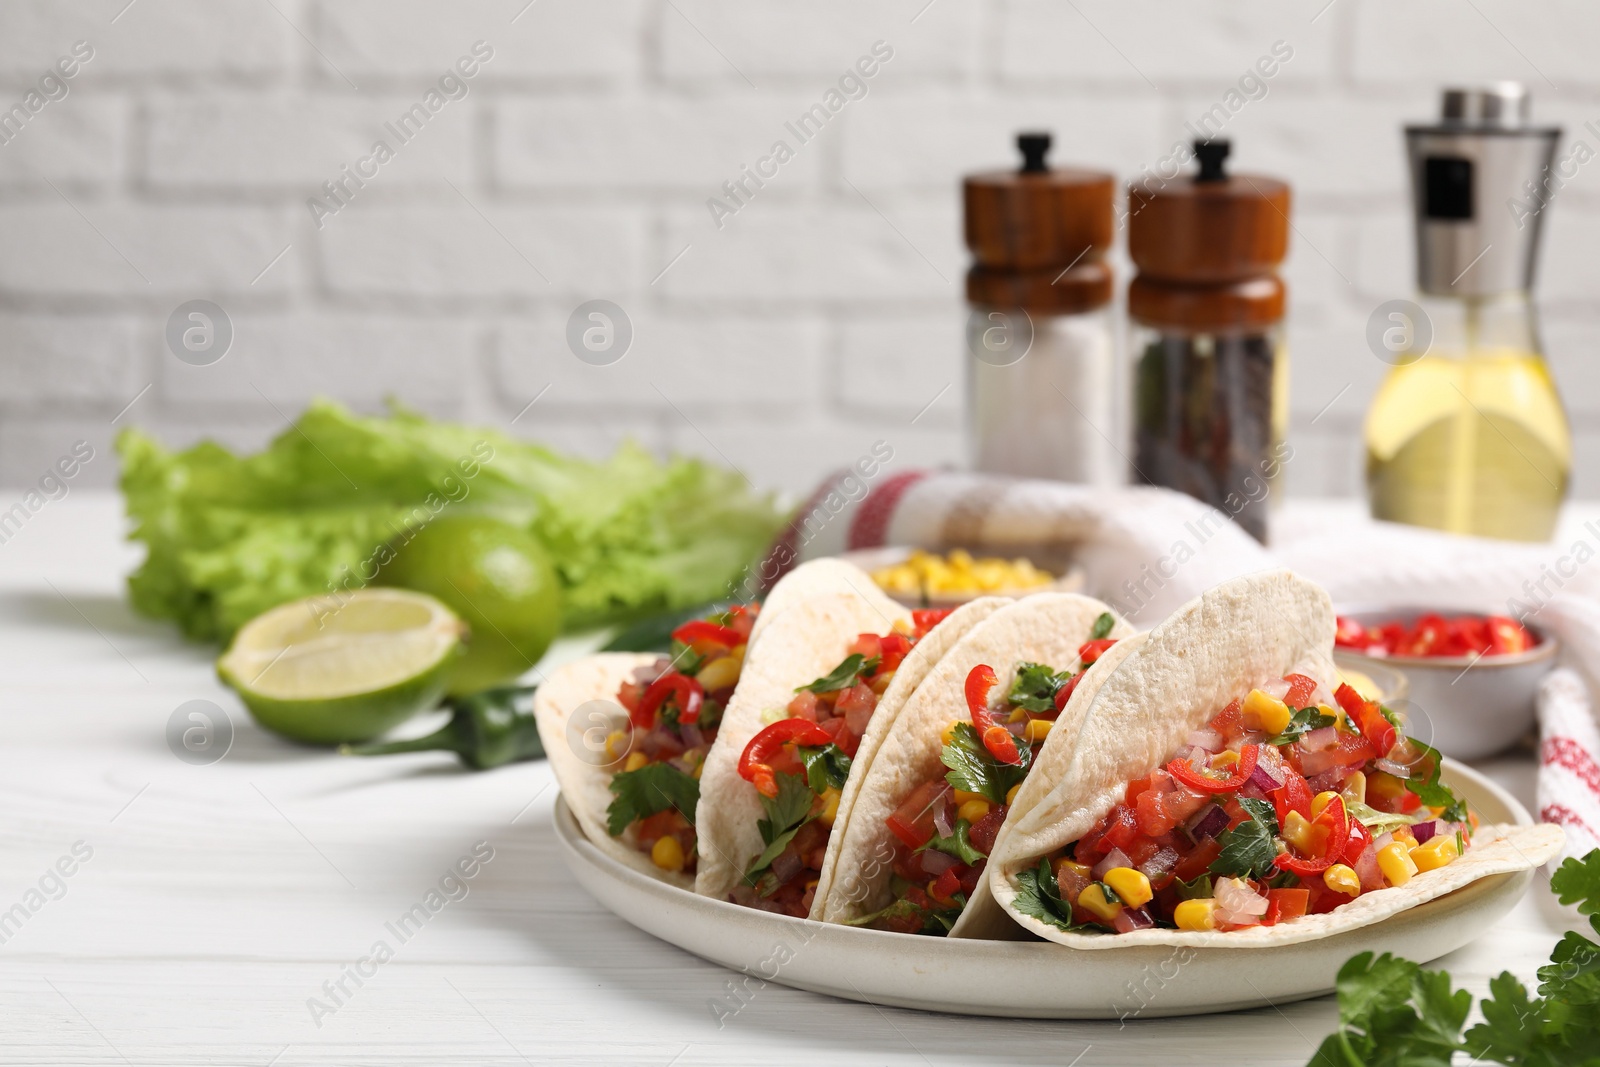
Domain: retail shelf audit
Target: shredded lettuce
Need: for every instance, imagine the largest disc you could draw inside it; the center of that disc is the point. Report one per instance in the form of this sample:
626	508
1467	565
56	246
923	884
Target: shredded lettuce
230	536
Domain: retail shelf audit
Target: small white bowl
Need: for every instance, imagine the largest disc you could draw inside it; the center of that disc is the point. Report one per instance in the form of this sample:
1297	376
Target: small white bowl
1465	706
1071	579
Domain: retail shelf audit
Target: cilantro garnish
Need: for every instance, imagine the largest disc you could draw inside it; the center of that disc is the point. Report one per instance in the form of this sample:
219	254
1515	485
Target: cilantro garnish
1301	723
1102	626
974	770
786	813
1434	793
1199	889
1036	687
843	676
826	765
1039	896
1393	1012
1249	848
957	843
653	788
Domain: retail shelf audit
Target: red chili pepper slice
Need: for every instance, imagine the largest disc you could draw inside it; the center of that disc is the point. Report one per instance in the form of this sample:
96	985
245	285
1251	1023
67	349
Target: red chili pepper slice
1368	718
701	630
754	765
1064	694
1338	825
1184	771
1090	651
1293	795
893	649
925	619
688	693
1506	637
1000	742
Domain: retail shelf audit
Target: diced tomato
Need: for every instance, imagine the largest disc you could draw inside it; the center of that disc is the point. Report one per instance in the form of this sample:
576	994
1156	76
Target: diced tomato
1351	750
1300	690
1285	904
926	619
1229	722
867	646
912	821
1195	863
1160	812
1130	796
629	695
654	827
804	706
986	829
855	705
1140	851
1123	831
1348	633
893	648
945	887
970	877
1090	651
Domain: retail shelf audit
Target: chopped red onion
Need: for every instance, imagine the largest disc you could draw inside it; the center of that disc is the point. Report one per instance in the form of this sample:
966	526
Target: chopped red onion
1237	898
1399	770
787	865
1276	689
1131	919
692	737
1211	821
941	819
1159	865
1320	738
1263	779
935	863
1206	738
1115	858
1424	831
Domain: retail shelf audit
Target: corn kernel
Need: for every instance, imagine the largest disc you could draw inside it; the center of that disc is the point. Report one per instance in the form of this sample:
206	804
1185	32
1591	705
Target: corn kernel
1082	870
1265	712
1011	794
1354	790
1342	878
616	743
1436	853
1195	914
1320	802
949	734
667	854
903	626
720	673
973	810
830	806
1225	759
1395	864
961	796
1093	900
635	761
1131	885
1037	730
1298	831
1017	715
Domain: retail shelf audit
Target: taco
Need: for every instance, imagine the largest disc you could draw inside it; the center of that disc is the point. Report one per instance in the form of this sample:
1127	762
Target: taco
998	705
821	690
1227	790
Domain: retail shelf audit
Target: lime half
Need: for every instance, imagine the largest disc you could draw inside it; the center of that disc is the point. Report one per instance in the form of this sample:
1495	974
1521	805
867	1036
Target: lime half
346	667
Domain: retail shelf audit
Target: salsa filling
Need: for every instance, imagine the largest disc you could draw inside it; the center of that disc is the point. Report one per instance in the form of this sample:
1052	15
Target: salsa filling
946	827
674	707
1289	802
800	761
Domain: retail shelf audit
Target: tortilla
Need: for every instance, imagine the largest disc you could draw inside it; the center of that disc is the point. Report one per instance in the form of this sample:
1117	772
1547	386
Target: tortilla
1239	635
577	758
1043	628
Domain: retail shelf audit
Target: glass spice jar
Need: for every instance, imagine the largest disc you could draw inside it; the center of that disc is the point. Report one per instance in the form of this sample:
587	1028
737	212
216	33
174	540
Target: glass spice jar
1210	377
1040	332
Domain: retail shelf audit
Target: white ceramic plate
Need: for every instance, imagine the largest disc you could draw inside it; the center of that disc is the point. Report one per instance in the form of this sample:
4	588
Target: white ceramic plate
1037	979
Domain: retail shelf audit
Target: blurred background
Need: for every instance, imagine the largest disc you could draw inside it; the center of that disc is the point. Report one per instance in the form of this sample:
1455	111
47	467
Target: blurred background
577	164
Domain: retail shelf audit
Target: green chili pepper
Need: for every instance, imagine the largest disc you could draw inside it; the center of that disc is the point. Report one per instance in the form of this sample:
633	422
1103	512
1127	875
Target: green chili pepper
486	729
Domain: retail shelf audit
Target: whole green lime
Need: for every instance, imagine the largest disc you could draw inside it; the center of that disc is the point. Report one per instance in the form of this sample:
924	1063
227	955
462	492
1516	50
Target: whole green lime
497	577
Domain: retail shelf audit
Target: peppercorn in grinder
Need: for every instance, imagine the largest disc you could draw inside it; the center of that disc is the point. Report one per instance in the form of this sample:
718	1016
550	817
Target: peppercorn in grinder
1467	432
1210	378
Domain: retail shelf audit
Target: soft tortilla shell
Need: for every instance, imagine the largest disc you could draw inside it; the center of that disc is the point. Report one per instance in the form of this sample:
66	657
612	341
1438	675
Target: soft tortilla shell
1043	628
585	785
800	643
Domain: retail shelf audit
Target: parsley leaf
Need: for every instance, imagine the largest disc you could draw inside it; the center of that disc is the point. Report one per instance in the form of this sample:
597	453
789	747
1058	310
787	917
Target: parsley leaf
1199	889
957	843
974	770
1039	897
826	765
653	788
1434	793
786	813
1301	723
1249	848
1577	881
1102	626
1392	1012
843	676
1036	687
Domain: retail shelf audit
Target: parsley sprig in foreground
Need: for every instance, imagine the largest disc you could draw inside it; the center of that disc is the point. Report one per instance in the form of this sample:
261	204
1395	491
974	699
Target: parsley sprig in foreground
1392	1012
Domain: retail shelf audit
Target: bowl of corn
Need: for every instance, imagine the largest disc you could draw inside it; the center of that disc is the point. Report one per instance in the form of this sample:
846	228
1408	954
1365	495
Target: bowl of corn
919	578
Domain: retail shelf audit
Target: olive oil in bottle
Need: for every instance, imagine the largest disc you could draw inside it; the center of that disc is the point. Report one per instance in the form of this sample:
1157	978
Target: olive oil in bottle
1467	433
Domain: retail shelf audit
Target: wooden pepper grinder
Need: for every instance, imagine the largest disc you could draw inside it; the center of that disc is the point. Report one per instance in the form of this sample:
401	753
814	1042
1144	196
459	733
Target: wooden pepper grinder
1040	332
1211	383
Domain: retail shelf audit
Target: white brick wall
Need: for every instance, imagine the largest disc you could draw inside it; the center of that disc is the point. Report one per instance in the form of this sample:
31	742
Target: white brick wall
825	315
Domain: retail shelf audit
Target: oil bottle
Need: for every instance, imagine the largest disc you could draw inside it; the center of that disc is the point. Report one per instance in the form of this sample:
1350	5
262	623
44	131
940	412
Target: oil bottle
1468	433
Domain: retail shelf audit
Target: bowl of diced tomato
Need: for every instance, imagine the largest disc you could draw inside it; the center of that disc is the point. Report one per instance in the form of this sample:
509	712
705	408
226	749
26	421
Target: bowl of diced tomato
1472	677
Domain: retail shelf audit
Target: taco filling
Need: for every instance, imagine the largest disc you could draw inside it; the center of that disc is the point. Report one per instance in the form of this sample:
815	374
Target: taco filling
946	827
674	706
800	761
1291	801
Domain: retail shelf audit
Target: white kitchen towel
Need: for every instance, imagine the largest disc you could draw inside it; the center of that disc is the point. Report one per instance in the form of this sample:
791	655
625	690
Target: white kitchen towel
1145	551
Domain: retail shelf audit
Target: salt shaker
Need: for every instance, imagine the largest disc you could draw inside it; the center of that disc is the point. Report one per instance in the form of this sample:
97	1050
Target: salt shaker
1210	378
1040	332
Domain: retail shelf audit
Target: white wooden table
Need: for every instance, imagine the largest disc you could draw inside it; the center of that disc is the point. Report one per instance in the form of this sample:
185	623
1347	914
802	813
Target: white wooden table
219	899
